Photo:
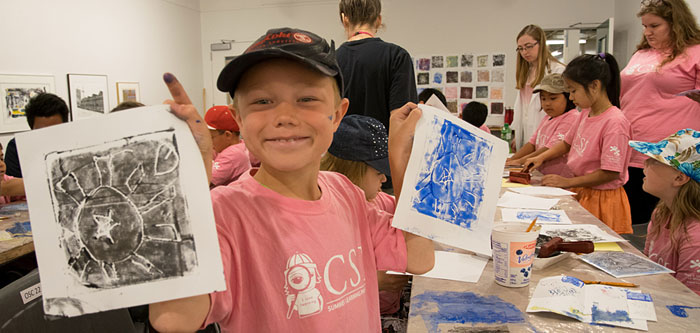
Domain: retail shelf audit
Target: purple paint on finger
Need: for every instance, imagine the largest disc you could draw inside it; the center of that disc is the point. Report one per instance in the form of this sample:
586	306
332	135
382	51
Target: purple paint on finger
168	78
198	121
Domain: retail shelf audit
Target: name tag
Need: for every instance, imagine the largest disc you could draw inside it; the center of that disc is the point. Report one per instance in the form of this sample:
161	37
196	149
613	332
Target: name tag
30	293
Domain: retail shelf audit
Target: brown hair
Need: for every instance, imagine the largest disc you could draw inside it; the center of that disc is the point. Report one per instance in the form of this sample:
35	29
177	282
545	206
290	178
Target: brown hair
127	105
684	27
684	209
359	12
354	170
544	57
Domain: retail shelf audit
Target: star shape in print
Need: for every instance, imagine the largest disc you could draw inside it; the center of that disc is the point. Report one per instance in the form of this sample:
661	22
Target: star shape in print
105	224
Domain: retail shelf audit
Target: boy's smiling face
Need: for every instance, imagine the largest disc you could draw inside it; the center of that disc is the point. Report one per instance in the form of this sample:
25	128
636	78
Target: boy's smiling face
288	113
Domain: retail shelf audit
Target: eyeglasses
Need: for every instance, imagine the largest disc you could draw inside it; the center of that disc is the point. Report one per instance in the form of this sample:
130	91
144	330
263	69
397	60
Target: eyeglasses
526	47
647	3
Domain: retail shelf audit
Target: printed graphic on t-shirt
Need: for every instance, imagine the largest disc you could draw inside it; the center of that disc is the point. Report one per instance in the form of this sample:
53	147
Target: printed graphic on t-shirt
614	156
305	285
579	145
216	165
640	69
541	139
695	264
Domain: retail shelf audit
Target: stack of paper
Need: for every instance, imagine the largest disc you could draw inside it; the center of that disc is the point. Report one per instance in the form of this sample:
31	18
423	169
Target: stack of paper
455	266
514	200
596	304
542	190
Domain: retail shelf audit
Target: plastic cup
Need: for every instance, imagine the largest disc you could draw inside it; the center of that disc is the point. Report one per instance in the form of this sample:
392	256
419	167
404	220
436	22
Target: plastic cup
513	253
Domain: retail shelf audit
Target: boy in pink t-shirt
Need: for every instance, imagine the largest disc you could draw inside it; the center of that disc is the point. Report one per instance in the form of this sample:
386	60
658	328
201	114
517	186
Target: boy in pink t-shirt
300	247
672	174
11	188
232	158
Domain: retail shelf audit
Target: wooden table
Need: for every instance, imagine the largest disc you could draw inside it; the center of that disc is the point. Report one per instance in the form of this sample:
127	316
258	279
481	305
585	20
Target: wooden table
18	245
426	316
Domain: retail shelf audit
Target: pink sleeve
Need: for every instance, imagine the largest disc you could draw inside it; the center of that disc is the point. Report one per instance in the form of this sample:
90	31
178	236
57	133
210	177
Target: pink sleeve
614	148
571	133
228	167
533	138
688	269
389	244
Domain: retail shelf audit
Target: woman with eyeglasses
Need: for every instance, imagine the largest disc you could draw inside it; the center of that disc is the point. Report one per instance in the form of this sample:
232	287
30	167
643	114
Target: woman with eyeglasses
665	65
534	61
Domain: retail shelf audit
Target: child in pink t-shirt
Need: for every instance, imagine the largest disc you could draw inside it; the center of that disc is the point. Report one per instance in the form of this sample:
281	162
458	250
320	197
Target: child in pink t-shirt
562	114
672	174
11	188
597	142
300	247
231	158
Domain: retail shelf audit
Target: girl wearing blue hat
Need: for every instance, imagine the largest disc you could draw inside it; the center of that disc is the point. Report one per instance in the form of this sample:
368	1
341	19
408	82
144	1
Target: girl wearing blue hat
673	175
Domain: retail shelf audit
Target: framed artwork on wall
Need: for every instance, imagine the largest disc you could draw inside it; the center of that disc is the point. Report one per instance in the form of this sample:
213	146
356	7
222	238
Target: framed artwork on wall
16	91
88	95
128	91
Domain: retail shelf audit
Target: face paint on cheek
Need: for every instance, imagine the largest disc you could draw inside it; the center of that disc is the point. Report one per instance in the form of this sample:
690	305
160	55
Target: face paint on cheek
330	117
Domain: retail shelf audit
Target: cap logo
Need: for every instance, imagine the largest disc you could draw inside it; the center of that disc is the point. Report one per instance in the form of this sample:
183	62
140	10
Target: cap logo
302	37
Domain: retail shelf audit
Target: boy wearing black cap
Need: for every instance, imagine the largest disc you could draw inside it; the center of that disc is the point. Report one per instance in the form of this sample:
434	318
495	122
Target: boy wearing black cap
300	247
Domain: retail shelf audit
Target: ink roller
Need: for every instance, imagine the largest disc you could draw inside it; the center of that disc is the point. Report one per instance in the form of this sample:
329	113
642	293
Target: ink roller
522	177
558	244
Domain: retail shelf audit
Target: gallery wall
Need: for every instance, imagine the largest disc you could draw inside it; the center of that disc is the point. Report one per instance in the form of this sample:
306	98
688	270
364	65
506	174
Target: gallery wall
127	40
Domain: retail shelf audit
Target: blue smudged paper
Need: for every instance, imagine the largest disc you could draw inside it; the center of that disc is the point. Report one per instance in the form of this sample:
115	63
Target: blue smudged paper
452	182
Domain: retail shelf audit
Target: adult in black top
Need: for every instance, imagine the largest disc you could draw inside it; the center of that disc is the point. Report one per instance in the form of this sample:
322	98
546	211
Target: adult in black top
43	110
378	76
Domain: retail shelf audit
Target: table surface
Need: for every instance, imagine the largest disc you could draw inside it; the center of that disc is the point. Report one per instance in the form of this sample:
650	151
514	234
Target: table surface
665	291
18	245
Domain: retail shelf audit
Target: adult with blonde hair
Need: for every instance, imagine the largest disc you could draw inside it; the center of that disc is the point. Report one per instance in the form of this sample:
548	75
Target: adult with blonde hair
534	61
666	63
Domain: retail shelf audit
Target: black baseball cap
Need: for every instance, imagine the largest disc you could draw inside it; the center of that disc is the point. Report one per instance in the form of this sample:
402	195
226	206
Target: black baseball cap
294	44
364	139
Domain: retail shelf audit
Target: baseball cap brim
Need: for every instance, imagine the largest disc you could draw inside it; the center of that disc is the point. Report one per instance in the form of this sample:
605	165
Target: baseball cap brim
231	74
548	89
382	165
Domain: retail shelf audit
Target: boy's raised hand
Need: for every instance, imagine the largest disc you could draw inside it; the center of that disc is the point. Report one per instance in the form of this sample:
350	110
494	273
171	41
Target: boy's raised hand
402	127
182	107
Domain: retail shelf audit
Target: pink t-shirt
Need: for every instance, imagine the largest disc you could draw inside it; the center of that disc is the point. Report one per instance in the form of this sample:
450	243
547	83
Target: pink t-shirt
229	164
686	262
485	128
649	98
388	300
8	199
385	202
600	142
550	132
301	266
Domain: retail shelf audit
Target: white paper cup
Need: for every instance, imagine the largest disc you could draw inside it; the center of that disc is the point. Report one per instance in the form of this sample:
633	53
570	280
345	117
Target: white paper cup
513	253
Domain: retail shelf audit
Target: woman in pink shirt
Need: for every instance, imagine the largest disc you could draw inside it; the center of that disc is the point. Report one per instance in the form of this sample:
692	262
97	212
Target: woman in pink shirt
672	174
597	142
667	62
561	115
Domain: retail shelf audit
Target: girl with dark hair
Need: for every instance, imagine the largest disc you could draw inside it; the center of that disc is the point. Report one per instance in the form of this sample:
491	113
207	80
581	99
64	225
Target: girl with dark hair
534	61
597	142
667	62
378	76
561	115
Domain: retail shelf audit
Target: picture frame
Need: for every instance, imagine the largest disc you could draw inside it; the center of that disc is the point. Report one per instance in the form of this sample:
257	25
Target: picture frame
88	95
128	91
16	91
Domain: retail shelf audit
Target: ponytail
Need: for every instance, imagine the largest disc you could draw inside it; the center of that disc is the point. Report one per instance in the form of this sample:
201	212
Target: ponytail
603	67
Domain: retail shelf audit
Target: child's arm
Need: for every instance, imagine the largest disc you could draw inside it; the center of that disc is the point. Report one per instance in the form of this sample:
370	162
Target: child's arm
12	188
557	150
179	315
520	155
420	251
594	178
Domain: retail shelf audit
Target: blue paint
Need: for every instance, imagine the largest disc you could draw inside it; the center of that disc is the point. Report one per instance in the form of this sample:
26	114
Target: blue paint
679	310
607	316
21	229
570	279
635	296
12	208
463	308
453	173
437	78
530	215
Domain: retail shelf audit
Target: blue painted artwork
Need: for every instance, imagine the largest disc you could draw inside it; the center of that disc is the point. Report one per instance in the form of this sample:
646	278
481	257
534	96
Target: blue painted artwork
463	308
679	310
608	316
437	78
13	208
570	279
530	215
21	229
635	296
452	175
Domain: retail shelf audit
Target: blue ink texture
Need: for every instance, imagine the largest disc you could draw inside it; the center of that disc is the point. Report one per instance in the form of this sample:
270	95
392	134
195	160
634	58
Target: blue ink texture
437	78
21	229
570	279
452	175
541	216
12	208
463	308
679	310
635	296
607	316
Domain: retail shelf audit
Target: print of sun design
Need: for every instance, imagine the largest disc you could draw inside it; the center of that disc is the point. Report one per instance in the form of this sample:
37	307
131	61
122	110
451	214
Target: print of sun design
121	213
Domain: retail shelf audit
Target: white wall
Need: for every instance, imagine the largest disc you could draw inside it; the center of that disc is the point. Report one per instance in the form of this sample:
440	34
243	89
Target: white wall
422	27
127	40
